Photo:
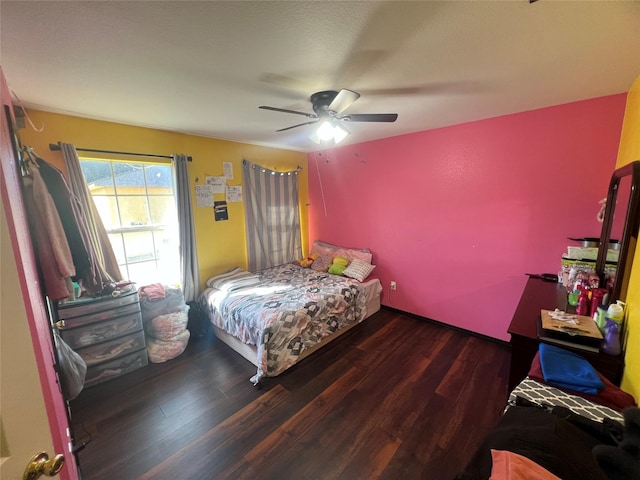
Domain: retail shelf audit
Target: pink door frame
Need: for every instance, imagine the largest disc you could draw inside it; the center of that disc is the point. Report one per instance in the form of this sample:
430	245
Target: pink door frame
37	317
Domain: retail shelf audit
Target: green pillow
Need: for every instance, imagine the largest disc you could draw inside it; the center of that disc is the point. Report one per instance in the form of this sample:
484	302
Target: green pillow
337	268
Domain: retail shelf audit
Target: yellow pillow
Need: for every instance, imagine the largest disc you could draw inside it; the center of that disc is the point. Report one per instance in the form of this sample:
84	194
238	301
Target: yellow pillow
340	261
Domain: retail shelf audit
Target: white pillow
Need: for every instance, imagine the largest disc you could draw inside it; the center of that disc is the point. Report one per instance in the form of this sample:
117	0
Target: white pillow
358	269
234	277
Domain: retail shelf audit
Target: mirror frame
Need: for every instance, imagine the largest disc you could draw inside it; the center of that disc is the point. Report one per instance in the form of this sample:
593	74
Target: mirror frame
629	234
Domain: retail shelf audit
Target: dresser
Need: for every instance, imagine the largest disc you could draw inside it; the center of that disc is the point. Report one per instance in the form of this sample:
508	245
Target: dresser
539	295
107	332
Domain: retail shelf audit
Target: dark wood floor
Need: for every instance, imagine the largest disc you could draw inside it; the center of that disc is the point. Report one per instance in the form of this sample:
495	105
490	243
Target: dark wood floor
394	398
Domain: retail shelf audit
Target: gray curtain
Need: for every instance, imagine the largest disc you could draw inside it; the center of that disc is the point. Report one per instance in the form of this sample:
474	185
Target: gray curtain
107	263
272	216
188	251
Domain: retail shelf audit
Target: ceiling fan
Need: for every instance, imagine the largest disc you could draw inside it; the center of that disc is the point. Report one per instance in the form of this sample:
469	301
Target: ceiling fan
328	106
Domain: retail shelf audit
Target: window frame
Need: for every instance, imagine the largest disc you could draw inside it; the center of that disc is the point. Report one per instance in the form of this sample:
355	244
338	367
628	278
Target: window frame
114	192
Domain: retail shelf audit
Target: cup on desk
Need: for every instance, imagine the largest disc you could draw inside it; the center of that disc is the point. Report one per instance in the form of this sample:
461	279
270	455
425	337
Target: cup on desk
573	298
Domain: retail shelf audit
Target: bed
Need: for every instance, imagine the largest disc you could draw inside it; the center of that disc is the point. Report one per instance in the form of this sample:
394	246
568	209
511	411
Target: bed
279	316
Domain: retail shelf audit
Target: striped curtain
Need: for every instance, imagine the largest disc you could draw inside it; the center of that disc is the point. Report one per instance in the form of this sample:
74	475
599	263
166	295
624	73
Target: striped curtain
272	216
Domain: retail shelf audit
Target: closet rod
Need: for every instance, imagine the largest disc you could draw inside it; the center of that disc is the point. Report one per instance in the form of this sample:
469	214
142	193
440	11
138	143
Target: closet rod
54	148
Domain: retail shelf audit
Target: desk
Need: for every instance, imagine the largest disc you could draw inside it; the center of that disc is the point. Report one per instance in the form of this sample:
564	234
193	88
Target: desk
523	329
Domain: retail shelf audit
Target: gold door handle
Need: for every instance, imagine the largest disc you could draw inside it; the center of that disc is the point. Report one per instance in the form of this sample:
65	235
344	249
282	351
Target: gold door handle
40	464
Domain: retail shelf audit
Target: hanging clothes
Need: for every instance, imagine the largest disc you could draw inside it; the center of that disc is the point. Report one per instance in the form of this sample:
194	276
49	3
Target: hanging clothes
73	221
50	240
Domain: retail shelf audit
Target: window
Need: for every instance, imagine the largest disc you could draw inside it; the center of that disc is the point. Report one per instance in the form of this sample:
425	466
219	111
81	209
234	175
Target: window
136	202
272	213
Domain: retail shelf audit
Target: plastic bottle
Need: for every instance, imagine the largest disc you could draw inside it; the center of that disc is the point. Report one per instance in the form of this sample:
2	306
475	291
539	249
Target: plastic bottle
601	318
597	296
616	312
611	343
583	303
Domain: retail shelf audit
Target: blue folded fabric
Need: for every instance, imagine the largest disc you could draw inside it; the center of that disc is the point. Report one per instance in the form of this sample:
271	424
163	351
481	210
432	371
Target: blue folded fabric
564	369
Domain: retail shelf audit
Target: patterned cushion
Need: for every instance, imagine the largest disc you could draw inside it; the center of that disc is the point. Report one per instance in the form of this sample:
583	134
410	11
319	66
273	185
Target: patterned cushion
321	264
358	269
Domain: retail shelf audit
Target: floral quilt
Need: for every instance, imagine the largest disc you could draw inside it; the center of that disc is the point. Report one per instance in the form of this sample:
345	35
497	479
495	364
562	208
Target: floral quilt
283	310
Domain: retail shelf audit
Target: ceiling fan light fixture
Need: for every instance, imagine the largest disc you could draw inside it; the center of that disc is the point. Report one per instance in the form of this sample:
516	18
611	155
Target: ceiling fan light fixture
325	130
340	132
328	107
329	132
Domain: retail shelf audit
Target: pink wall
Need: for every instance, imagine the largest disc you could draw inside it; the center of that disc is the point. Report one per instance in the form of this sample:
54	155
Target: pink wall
458	215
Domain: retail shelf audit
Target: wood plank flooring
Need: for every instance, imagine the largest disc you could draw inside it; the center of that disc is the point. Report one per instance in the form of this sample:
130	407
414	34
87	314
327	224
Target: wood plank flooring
397	397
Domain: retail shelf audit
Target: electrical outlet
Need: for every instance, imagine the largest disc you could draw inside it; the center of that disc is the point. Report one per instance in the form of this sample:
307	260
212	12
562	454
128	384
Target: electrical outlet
393	285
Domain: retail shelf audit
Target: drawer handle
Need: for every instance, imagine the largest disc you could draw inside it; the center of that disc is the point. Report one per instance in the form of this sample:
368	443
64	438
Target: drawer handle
60	324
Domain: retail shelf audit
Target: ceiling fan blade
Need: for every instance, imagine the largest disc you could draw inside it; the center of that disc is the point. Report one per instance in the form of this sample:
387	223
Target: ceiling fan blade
284	110
343	100
448	87
371	117
295	126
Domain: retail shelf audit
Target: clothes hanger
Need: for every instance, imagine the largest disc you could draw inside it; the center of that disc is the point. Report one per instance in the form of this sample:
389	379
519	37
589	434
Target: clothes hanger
28	161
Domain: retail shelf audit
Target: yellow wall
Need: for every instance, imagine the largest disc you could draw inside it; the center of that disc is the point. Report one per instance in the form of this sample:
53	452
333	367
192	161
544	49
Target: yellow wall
221	245
628	152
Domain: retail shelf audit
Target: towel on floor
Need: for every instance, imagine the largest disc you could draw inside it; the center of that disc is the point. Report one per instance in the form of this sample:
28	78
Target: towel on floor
565	369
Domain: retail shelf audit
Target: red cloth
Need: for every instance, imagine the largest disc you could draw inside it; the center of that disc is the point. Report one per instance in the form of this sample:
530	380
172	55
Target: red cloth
155	291
610	396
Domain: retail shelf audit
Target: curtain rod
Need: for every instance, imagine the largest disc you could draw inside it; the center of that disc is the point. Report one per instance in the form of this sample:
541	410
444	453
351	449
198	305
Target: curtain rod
54	148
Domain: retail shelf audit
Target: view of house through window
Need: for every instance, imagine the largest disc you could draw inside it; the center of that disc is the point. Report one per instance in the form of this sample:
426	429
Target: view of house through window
136	202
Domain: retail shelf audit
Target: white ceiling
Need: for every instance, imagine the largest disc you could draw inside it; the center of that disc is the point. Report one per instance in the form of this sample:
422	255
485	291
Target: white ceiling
204	67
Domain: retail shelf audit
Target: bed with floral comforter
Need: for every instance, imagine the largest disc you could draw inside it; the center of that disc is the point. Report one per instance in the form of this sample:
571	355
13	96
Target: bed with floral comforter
283	310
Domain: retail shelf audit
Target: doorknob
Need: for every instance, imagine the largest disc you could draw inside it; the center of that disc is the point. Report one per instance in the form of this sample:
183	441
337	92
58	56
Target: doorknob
40	464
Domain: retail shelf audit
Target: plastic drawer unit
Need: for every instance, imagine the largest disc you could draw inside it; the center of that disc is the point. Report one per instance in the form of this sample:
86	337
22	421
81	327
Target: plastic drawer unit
107	332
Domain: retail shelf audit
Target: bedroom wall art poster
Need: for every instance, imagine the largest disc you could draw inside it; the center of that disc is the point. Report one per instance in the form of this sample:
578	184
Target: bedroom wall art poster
220	211
227	168
204	196
218	183
234	194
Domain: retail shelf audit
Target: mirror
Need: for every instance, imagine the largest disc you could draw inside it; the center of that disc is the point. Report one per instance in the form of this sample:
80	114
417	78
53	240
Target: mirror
621	221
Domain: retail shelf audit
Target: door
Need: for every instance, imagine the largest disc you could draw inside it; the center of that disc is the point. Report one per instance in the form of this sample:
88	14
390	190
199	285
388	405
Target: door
33	412
21	401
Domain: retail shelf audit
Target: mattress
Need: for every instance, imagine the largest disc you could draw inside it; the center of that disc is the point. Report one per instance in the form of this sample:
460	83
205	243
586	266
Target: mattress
279	316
